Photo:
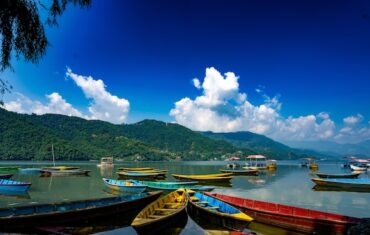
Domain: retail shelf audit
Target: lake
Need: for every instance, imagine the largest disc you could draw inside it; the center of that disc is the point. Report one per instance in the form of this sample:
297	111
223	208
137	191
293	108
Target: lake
290	185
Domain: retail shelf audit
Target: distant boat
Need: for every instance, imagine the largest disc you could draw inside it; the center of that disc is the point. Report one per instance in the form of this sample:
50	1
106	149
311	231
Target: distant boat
343	183
65	172
290	217
6	176
161	212
12	185
240	172
134	168
309	162
76	212
30	171
225	177
324	175
125	185
173	186
217	212
106	162
140	174
357	168
256	162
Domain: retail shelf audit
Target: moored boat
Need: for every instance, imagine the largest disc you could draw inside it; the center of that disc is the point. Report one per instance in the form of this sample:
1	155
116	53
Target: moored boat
271	165
173	186
79	212
129	186
290	217
325	175
12	185
240	172
217	212
6	176
61	168
140	174
204	178
357	168
106	162
343	183
75	172
256	162
134	168
161	212
30	171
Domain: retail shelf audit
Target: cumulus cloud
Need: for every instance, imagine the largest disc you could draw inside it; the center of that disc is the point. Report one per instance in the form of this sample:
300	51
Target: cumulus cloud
352	120
223	108
103	106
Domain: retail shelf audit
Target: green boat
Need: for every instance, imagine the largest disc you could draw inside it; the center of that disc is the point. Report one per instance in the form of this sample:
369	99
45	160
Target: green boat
173	186
9	169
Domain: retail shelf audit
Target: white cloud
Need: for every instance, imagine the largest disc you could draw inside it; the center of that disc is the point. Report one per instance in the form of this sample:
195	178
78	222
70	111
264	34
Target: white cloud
352	120
223	108
56	104
104	106
196	83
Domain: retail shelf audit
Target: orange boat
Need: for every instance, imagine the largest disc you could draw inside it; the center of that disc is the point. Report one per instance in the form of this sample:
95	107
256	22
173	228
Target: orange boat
290	217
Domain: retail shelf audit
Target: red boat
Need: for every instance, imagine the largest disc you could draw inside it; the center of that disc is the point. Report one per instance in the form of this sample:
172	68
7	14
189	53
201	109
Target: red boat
290	217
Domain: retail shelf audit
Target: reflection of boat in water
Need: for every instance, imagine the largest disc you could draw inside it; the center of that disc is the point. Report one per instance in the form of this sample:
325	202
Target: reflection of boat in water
79	212
321	188
75	172
343	183
290	217
325	175
257	181
106	162
15	194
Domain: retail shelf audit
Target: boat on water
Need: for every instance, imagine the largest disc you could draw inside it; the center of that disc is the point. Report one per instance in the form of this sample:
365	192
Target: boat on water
217	212
321	188
343	183
106	162
327	176
161	212
129	186
226	177
358	168
61	168
30	171
79	212
75	172
141	174
173	186
309	162
6	176
290	217
12	185
255	162
240	172
9	169
134	168
271	164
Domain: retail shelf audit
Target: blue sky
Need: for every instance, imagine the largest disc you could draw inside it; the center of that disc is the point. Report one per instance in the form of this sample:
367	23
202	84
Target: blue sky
307	59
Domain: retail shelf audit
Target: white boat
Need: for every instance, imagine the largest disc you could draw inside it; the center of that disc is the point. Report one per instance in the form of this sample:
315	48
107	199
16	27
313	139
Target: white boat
106	162
357	168
256	162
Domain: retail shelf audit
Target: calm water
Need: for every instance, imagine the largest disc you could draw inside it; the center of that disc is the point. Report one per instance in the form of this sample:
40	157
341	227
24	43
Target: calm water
289	185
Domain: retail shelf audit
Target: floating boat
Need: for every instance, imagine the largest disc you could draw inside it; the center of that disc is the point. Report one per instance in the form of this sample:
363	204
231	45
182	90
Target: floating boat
172	186
151	171
61	168
321	188
9	169
6	176
75	172
240	172
309	162
204	178
217	212
325	176
256	162
30	171
290	217
161	212
140	174
11	185
106	162
343	183
357	168
135	168
129	186
176	182
78	212
271	165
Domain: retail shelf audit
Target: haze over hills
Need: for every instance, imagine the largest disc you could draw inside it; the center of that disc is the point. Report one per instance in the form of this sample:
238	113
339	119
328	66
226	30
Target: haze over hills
29	137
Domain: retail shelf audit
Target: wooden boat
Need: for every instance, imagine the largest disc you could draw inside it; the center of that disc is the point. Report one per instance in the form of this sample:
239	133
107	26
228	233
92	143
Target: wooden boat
134	168
161	212
9	169
240	172
61	168
357	168
140	174
75	172
172	186
325	176
217	212
290	217
30	171
151	171
129	186
204	178
78	212
6	176
176	182
343	183
11	185
106	162
322	188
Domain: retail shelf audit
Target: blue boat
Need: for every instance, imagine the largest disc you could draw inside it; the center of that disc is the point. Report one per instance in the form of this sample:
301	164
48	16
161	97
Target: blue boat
6	176
30	171
140	174
343	183
173	186
216	212
128	186
11	185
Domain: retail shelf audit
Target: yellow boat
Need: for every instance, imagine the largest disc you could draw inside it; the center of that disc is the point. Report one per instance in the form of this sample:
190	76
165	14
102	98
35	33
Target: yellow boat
206	178
161	212
135	168
151	171
61	168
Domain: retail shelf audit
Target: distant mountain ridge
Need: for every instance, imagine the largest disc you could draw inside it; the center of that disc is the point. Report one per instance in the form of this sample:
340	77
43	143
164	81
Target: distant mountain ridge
29	137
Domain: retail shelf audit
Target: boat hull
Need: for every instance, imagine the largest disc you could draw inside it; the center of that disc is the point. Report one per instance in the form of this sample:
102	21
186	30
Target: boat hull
201	178
6	176
14	186
120	186
30	171
78	216
334	176
291	218
162	186
240	172
341	183
64	172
